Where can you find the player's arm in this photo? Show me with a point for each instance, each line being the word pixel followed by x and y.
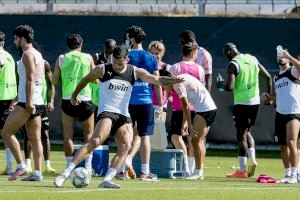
pixel 28 60
pixel 293 60
pixel 50 87
pixel 266 76
pixel 56 74
pixel 231 77
pixel 158 90
pixel 162 80
pixel 187 119
pixel 96 73
pixel 207 60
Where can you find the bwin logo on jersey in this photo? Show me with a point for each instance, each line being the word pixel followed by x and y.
pixel 121 87
pixel 281 85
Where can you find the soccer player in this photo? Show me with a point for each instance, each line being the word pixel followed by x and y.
pixel 287 120
pixel 141 105
pixel 70 68
pixel 106 55
pixel 116 83
pixel 30 104
pixel 243 79
pixel 8 92
pixel 48 93
pixel 186 66
pixel 204 59
pixel 193 91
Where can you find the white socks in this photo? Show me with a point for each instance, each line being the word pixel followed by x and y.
pixel 198 172
pixel 37 173
pixel 251 154
pixel 110 174
pixel 9 158
pixel 288 172
pixel 28 162
pixel 21 165
pixel 67 171
pixel 69 159
pixel 47 163
pixel 299 166
pixel 122 169
pixel 192 164
pixel 88 162
pixel 243 163
pixel 128 162
pixel 145 169
pixel 294 171
pixel 186 164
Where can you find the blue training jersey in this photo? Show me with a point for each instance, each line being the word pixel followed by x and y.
pixel 141 91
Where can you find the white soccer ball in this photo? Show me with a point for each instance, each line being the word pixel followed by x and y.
pixel 80 177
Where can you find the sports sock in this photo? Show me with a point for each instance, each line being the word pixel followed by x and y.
pixel 28 162
pixel 37 173
pixel 47 163
pixel 299 166
pixel 192 164
pixel 67 171
pixel 88 162
pixel 110 174
pixel 69 159
pixel 294 171
pixel 122 169
pixel 145 169
pixel 21 165
pixel 242 163
pixel 198 172
pixel 128 162
pixel 251 154
pixel 186 164
pixel 287 171
pixel 9 158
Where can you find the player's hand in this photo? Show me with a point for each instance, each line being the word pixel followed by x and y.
pixel 13 105
pixel 50 106
pixel 179 80
pixel 185 130
pixel 266 98
pixel 30 108
pixel 192 131
pixel 285 54
pixel 75 101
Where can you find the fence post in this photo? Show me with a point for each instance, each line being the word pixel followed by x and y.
pixel 201 8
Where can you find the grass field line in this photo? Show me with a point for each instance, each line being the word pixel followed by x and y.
pixel 53 190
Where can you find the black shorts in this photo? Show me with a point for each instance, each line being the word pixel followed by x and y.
pixel 83 111
pixel 176 121
pixel 118 120
pixel 39 109
pixel 244 116
pixel 280 126
pixel 4 111
pixel 209 116
pixel 45 119
pixel 143 115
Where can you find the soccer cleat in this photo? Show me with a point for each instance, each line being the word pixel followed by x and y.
pixel 109 184
pixel 33 177
pixel 19 172
pixel 283 180
pixel 7 172
pixel 292 180
pixel 49 170
pixel 149 177
pixel 251 169
pixel 120 176
pixel 130 171
pixel 237 174
pixel 60 180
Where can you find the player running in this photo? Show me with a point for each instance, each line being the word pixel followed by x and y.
pixel 243 79
pixel 116 83
pixel 287 120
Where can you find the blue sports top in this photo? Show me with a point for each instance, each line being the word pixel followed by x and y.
pixel 142 92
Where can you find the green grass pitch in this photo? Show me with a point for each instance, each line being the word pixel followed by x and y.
pixel 215 185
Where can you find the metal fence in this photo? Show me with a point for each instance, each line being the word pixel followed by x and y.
pixel 157 1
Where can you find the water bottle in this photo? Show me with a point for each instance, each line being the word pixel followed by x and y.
pixel 279 50
pixel 220 82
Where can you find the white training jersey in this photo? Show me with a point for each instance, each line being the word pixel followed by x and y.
pixel 39 63
pixel 195 92
pixel 116 89
pixel 287 88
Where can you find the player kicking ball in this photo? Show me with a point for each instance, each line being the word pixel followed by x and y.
pixel 194 92
pixel 116 81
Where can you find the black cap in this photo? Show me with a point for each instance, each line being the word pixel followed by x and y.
pixel 110 44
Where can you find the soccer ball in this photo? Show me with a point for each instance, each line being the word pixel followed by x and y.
pixel 80 177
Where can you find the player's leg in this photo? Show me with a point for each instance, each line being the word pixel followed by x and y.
pixel 33 129
pixel 68 133
pixel 292 130
pixel 27 150
pixel 100 134
pixel 16 119
pixel 123 139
